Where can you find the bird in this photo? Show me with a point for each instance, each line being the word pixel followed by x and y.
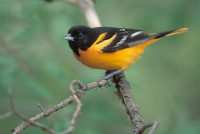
pixel 110 48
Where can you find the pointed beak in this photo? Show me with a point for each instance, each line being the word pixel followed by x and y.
pixel 68 37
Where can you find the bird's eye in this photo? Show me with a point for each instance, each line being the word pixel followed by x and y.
pixel 80 35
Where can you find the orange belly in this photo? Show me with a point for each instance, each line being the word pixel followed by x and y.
pixel 112 61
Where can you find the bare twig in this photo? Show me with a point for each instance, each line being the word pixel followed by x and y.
pixel 78 107
pixel 60 105
pixel 87 8
pixel 6 115
pixel 41 107
pixel 154 127
pixel 30 122
pixel 74 116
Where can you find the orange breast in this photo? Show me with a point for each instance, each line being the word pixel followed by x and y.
pixel 112 61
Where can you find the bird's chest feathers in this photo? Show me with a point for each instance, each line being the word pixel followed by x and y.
pixel 90 57
pixel 107 61
pixel 93 56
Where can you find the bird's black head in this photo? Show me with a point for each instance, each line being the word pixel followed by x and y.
pixel 80 37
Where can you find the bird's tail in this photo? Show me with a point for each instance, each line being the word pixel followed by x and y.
pixel 157 36
pixel 169 33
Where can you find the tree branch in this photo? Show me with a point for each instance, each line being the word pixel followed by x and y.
pixel 36 124
pixel 87 8
pixel 69 100
pixel 78 107
pixel 41 107
pixel 132 109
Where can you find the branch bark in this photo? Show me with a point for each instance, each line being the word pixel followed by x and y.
pixel 69 100
pixel 87 8
pixel 132 108
pixel 36 124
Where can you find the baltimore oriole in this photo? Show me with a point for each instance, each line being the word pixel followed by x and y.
pixel 111 48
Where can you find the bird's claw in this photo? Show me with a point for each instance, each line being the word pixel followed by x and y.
pixel 109 76
pixel 108 80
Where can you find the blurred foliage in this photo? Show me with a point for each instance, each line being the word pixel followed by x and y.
pixel 165 82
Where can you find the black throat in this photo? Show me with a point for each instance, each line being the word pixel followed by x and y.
pixel 83 44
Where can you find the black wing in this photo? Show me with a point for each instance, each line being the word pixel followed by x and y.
pixel 124 38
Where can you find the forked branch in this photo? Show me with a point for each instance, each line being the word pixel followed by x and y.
pixel 47 112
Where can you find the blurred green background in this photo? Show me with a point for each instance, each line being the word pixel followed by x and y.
pixel 165 81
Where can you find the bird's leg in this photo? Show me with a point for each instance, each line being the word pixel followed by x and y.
pixel 110 75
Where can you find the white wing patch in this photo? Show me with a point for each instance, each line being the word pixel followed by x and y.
pixel 121 41
pixel 122 29
pixel 135 34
